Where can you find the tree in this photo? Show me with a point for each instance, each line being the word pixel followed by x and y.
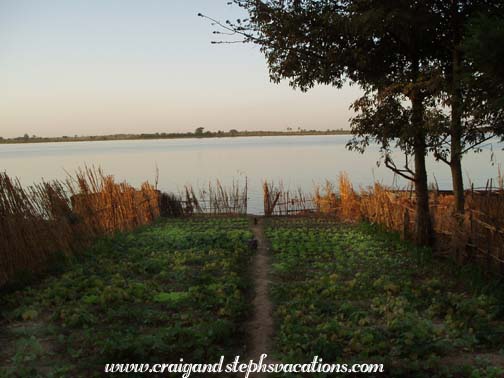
pixel 199 131
pixel 385 47
pixel 399 49
pixel 484 48
pixel 470 122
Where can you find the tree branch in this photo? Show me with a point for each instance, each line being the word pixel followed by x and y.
pixel 441 158
pixel 389 163
pixel 477 144
pixel 252 38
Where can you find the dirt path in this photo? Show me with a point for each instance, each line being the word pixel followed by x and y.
pixel 260 327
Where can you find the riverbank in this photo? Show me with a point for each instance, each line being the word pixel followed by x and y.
pixel 159 136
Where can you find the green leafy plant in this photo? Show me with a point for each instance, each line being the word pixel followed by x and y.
pixel 354 294
pixel 173 289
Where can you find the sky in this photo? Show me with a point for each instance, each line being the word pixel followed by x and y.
pixel 94 67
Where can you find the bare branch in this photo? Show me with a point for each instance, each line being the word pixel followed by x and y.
pixel 389 163
pixel 477 144
pixel 252 38
pixel 439 157
pixel 225 42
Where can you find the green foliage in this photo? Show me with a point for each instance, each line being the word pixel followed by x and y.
pixel 485 34
pixel 165 292
pixel 354 294
pixel 484 48
pixel 388 48
pixel 407 57
pixel 173 298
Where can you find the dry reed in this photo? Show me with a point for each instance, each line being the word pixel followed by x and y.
pixel 215 199
pixel 326 201
pixel 278 201
pixel 61 216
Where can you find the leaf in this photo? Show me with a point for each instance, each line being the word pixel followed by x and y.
pixel 90 299
pixel 29 315
pixel 174 297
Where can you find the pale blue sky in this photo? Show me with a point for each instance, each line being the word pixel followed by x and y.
pixel 110 66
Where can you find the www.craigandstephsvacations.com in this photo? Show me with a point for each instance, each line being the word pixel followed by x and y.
pixel 185 369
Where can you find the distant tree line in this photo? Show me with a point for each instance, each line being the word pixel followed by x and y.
pixel 432 73
pixel 198 133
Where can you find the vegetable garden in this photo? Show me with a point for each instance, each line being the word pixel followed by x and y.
pixel 175 289
pixel 352 294
pixel 183 288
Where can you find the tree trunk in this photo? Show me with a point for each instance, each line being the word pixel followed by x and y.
pixel 456 154
pixel 456 116
pixel 458 183
pixel 423 225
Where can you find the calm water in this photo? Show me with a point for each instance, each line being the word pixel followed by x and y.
pixel 298 161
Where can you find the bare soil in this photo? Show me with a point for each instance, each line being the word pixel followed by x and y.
pixel 260 326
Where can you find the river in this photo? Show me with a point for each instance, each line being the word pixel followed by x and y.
pixel 298 161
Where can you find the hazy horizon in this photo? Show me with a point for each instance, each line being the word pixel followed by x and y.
pixel 112 67
pixel 304 132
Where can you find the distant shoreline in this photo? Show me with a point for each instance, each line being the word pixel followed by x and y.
pixel 155 136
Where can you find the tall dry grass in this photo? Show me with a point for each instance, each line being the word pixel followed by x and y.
pixel 31 228
pixel 62 216
pixel 325 199
pixel 349 200
pixel 216 198
pixel 105 206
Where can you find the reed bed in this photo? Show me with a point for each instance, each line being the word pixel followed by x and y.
pixel 44 219
pixel 105 206
pixel 325 199
pixel 30 227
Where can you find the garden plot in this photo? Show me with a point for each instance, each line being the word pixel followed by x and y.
pixel 351 294
pixel 176 289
